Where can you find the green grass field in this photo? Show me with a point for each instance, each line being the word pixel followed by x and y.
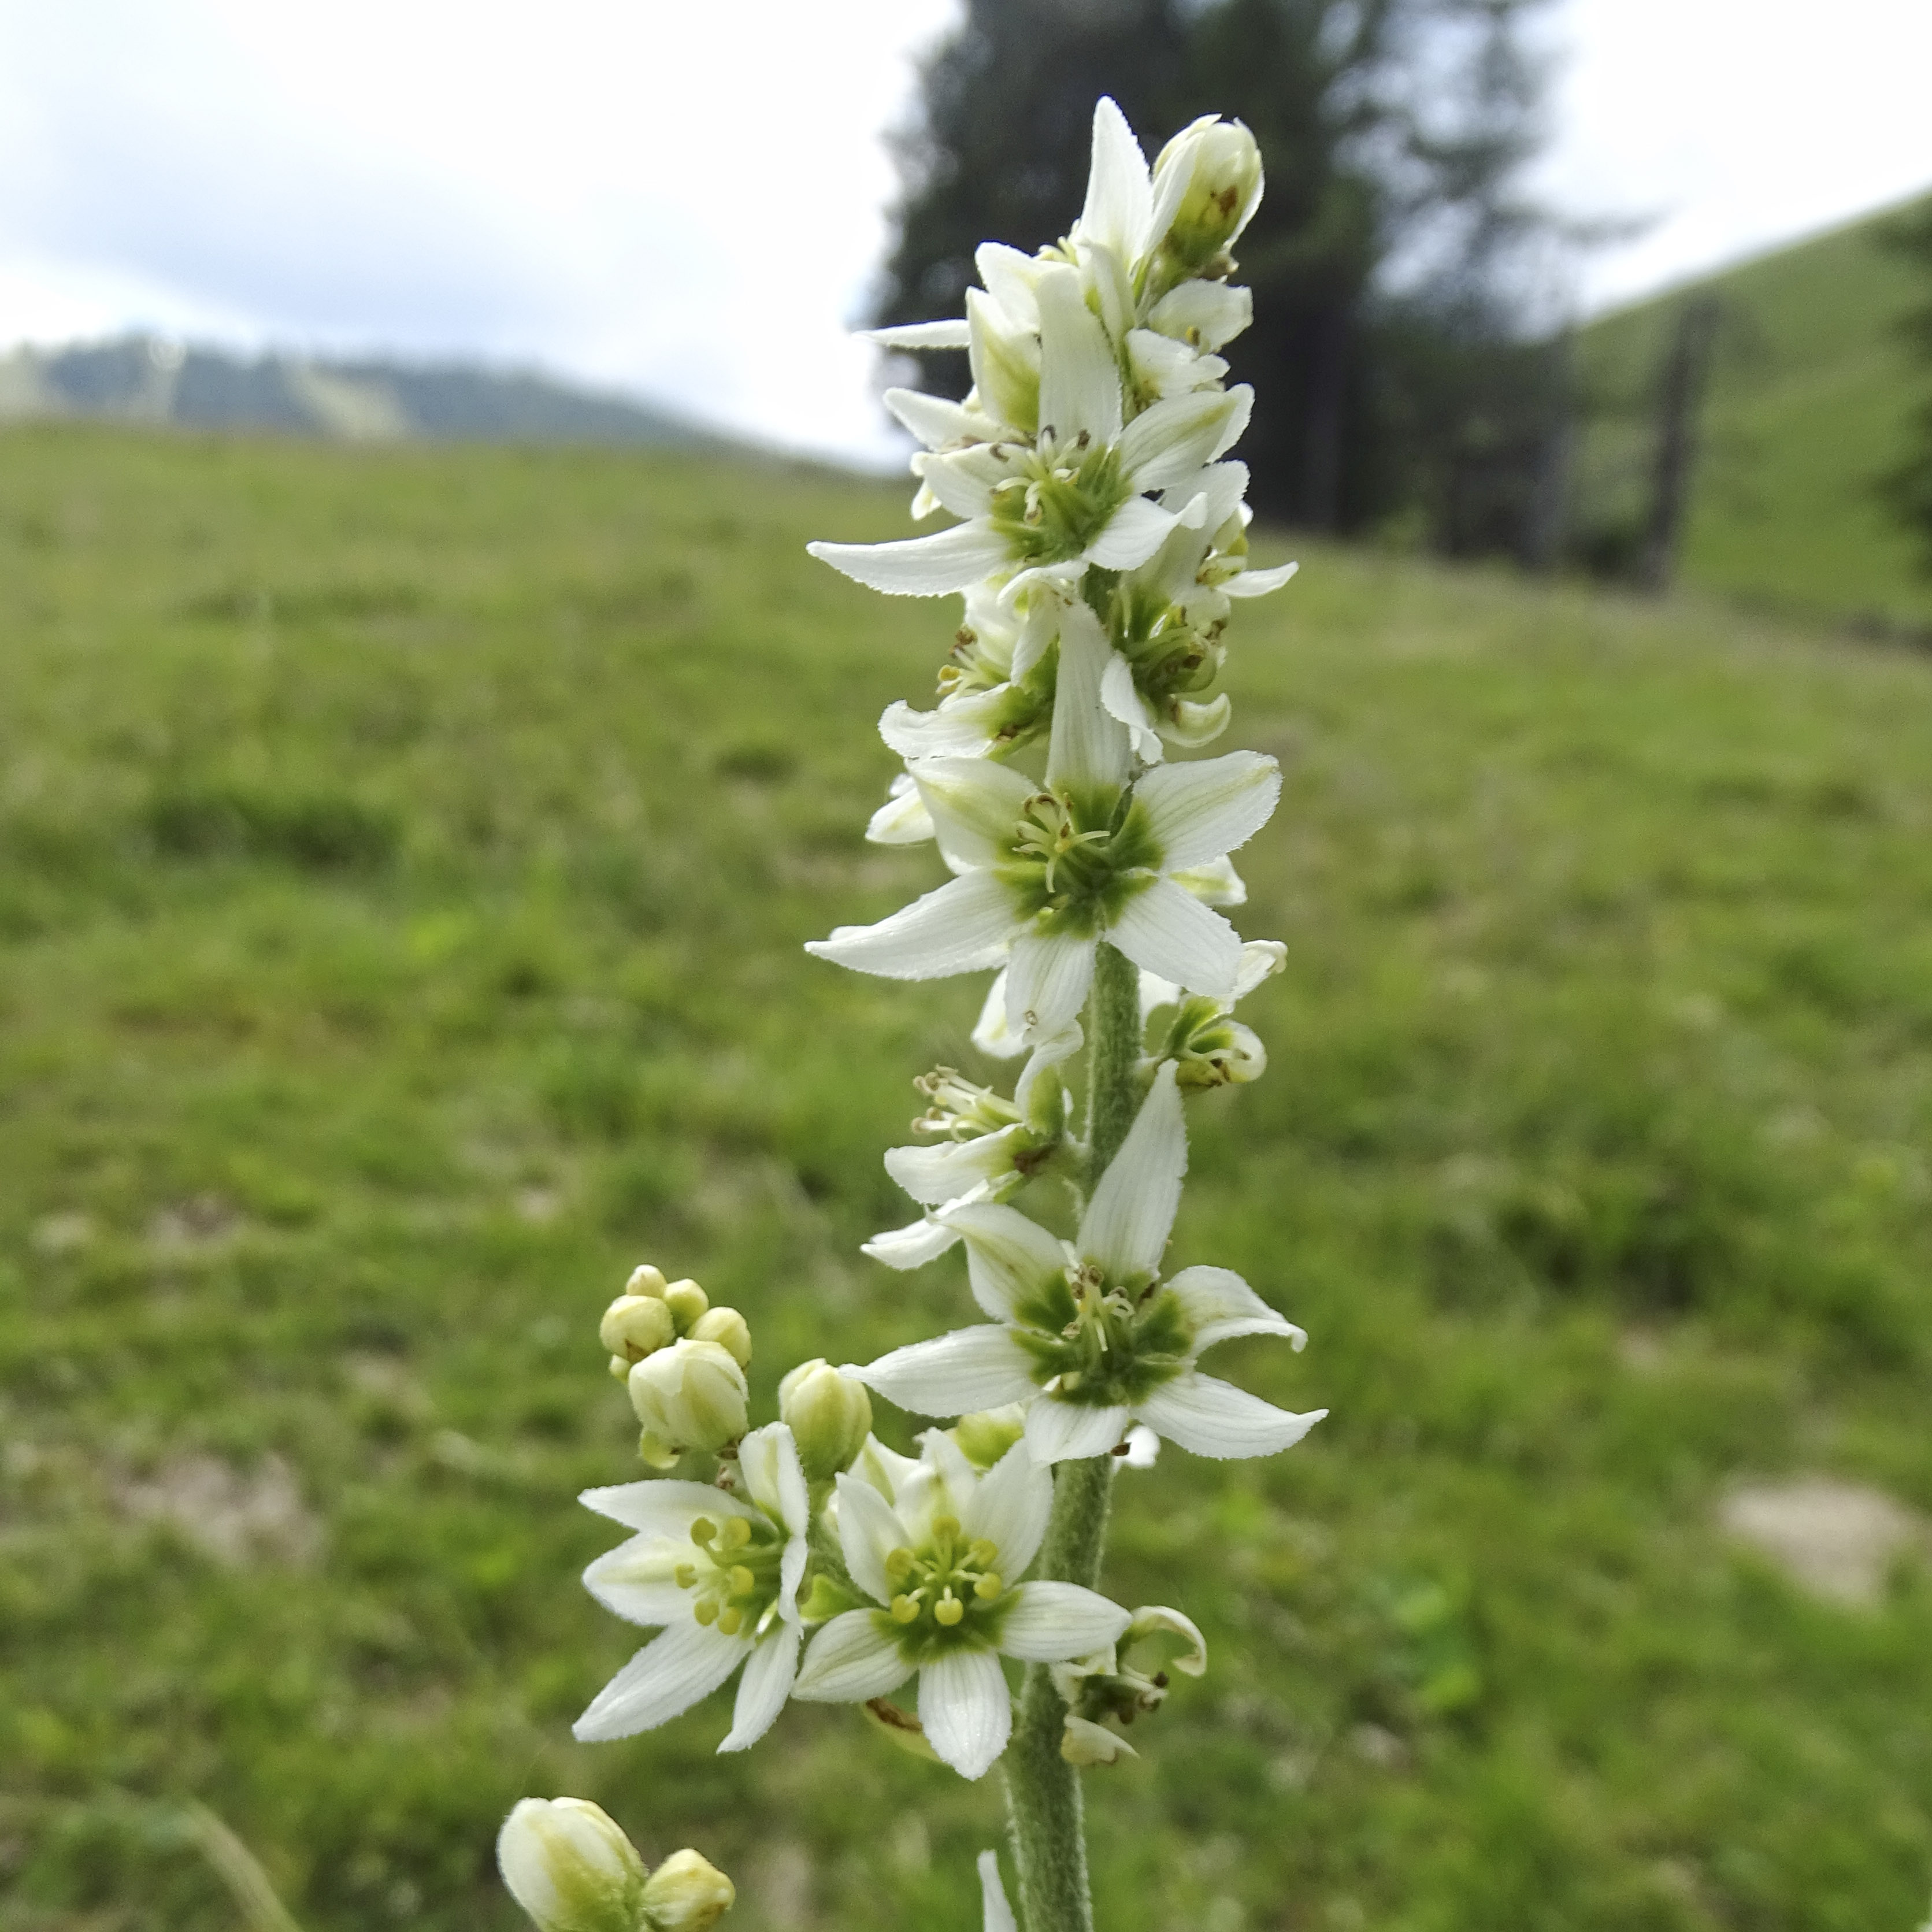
pixel 404 859
pixel 1813 392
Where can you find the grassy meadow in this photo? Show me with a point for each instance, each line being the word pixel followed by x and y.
pixel 404 859
pixel 1812 393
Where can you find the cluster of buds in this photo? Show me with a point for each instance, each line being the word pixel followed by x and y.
pixel 570 1866
pixel 683 1362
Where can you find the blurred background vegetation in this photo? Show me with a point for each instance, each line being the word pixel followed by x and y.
pixel 405 852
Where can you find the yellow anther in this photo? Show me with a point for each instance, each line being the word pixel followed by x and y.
pixel 905 1610
pixel 684 1575
pixel 703 1530
pixel 742 1580
pixel 705 1610
pixel 729 1621
pixel 989 1587
pixel 983 1552
pixel 899 1565
pixel 949 1610
pixel 946 1529
pixel 737 1532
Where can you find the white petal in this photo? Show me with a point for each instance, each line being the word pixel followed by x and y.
pixel 991 1034
pixel 637 1580
pixel 935 1175
pixel 1180 434
pixel 996 1915
pixel 1143 1447
pixel 661 1508
pixel 1127 1222
pixel 965 1710
pixel 1040 625
pixel 1005 358
pixel 1156 992
pixel 948 334
pixel 1259 583
pixel 1167 931
pixel 768 1459
pixel 1214 1418
pixel 764 1688
pixel 1220 1306
pixel 1209 314
pixel 911 1246
pixel 952 1374
pixel 1121 698
pixel 1047 982
pixel 960 728
pixel 1261 959
pixel 1088 748
pixel 1009 1508
pixel 1216 883
pixel 903 819
pixel 1079 380
pixel 1120 198
pixel 962 927
pixel 869 1531
pixel 937 421
pixel 959 481
pixel 1009 1258
pixel 850 1660
pixel 1063 1431
pixel 1010 276
pixel 1048 1114
pixel 1051 1622
pixel 671 1673
pixel 975 805
pixel 921 566
pixel 791 1574
pixel 1133 533
pixel 1204 810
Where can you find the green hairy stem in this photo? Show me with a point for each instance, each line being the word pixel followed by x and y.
pixel 1043 1807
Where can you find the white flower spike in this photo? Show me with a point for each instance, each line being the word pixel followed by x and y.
pixel 939 1560
pixel 721 1574
pixel 1087 1333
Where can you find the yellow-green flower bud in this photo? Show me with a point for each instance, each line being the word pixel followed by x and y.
pixel 729 1330
pixel 635 1326
pixel 686 1301
pixel 984 1438
pixel 687 1893
pixel 691 1396
pixel 570 1866
pixel 829 1416
pixel 1207 185
pixel 646 1280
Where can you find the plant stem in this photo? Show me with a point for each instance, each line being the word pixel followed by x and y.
pixel 1043 1808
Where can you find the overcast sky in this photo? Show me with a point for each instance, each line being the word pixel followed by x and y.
pixel 687 202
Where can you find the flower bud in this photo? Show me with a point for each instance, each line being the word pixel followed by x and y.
pixel 687 1893
pixel 729 1330
pixel 691 1396
pixel 686 1301
pixel 1207 186
pixel 646 1280
pixel 1083 1741
pixel 570 1866
pixel 829 1416
pixel 985 1437
pixel 635 1326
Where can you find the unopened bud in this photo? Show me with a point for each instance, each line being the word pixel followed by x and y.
pixel 1207 186
pixel 687 1893
pixel 637 1325
pixel 729 1330
pixel 570 1866
pixel 692 1395
pixel 686 1301
pixel 829 1416
pixel 646 1280
pixel 984 1437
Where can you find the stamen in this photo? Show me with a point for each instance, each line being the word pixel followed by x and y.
pixel 989 1586
pixel 905 1610
pixel 731 1622
pixel 949 1610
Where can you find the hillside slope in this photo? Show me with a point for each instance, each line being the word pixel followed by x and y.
pixel 405 857
pixel 1811 393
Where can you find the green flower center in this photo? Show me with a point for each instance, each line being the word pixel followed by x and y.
pixel 1061 500
pixel 947 1596
pixel 1099 1344
pixel 1076 861
pixel 733 1578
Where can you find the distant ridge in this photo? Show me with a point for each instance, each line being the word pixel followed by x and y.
pixel 142 378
